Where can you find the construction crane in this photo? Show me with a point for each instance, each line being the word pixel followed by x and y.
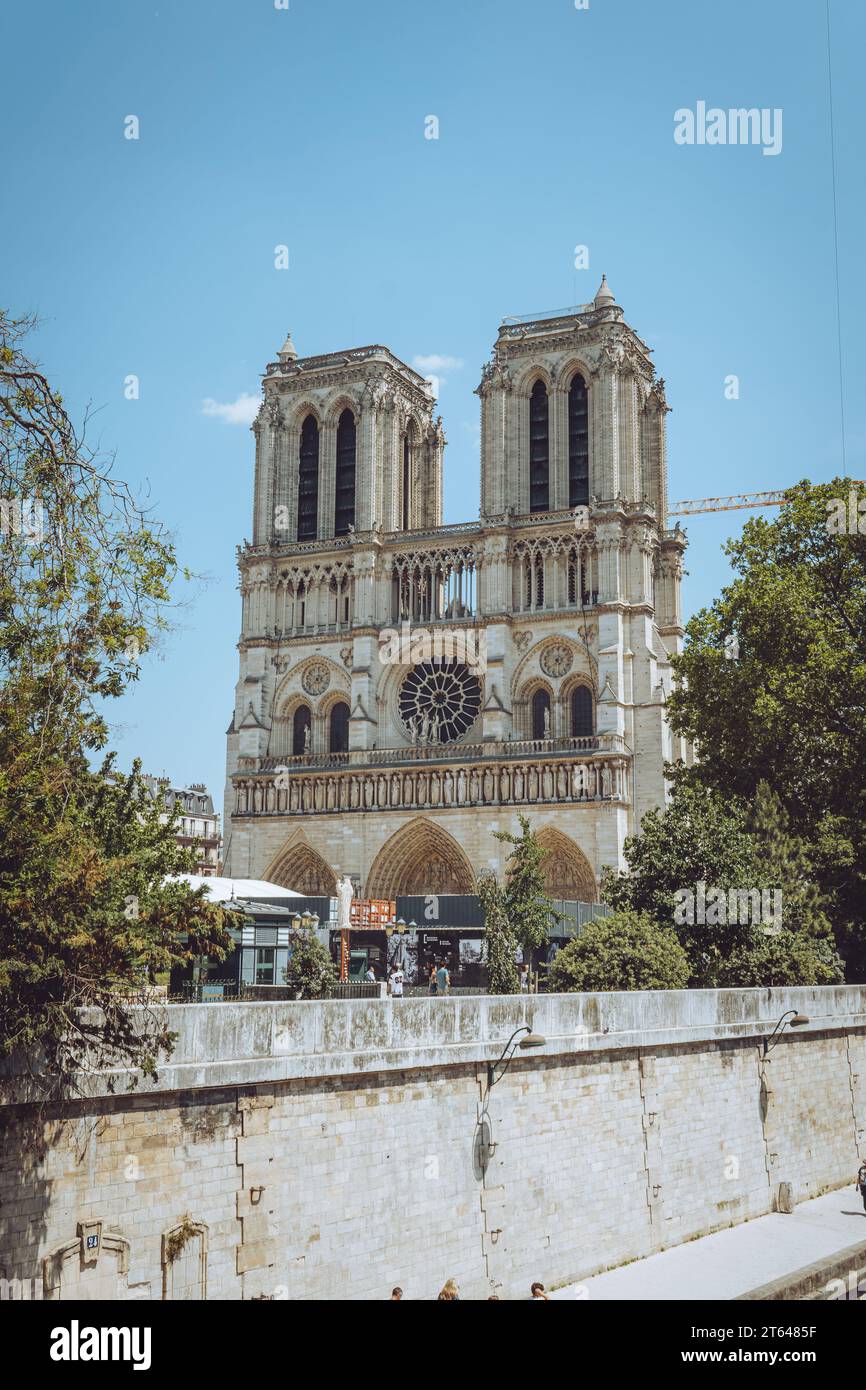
pixel 738 501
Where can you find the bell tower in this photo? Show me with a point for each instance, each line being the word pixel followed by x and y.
pixel 571 411
pixel 345 442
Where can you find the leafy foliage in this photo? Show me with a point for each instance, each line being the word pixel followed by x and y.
pixel 626 950
pixel 501 943
pixel 791 709
pixel 525 902
pixel 700 838
pixel 310 971
pixel 86 916
pixel 791 958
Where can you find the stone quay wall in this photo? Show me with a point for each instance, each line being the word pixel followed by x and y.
pixel 329 1150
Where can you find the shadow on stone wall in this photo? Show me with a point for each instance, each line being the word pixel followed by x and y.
pixel 26 1138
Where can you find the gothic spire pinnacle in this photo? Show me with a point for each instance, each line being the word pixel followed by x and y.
pixel 288 352
pixel 604 294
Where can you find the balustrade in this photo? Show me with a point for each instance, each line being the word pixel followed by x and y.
pixel 545 779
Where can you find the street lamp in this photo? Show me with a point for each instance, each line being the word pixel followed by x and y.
pixel 530 1040
pixel 797 1020
pixel 484 1141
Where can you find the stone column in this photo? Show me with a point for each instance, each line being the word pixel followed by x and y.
pixel 558 408
pixel 327 480
pixel 367 465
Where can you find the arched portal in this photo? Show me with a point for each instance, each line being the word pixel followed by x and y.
pixel 420 858
pixel 298 866
pixel 567 871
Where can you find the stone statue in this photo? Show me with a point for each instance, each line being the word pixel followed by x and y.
pixel 307 739
pixel 345 894
pixel 547 723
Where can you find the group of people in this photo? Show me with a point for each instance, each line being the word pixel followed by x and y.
pixel 439 981
pixel 450 1293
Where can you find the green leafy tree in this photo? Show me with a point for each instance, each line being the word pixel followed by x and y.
pixel 699 838
pixel 499 938
pixel 696 839
pixel 626 950
pixel 790 708
pixel 86 915
pixel 310 972
pixel 527 907
pixel 789 861
pixel 789 958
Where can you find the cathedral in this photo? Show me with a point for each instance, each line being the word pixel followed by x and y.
pixel 408 688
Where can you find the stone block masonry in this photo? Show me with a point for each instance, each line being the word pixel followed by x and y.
pixel 330 1150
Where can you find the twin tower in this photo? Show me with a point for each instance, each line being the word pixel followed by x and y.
pixel 534 645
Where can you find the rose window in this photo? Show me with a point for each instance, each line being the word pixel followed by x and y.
pixel 439 701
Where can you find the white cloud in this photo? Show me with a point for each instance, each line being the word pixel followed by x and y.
pixel 240 412
pixel 436 362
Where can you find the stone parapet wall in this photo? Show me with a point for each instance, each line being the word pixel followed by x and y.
pixel 330 1150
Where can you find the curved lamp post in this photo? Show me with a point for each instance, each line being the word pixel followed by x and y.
pixel 530 1040
pixel 483 1127
pixel 797 1020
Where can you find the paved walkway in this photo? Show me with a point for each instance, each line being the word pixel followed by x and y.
pixel 733 1261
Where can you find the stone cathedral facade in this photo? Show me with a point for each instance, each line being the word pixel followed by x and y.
pixel 406 687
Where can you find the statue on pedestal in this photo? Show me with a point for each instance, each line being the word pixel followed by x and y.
pixel 345 894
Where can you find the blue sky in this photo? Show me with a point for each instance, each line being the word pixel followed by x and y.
pixel 305 127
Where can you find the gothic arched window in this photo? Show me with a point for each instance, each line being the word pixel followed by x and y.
pixel 578 443
pixel 539 450
pixel 338 731
pixel 344 508
pixel 581 712
pixel 540 708
pixel 308 480
pixel 300 729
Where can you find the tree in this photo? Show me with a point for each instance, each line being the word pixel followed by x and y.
pixel 696 839
pixel 789 958
pixel 527 907
pixel 310 972
pixel 499 938
pixel 725 874
pixel 790 709
pixel 86 914
pixel 626 950
pixel 789 861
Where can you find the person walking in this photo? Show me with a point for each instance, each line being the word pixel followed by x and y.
pixel 861 1181
pixel 396 982
pixel 443 979
pixel 450 1292
pixel 370 976
pixel 432 983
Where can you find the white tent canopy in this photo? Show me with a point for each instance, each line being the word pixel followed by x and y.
pixel 247 889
